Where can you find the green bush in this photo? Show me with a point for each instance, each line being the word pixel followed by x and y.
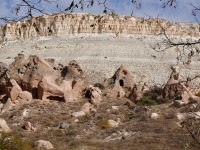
pixel 147 101
pixel 197 94
pixel 9 142
pixel 176 104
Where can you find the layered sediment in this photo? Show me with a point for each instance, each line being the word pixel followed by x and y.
pixel 82 23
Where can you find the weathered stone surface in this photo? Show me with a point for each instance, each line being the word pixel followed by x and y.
pixel 173 91
pixel 78 23
pixel 80 86
pixel 28 126
pixel 48 89
pixel 25 95
pixel 72 70
pixel 87 107
pixel 111 123
pixel 78 114
pixel 67 90
pixel 121 81
pixel 3 126
pixel 36 69
pixel 94 93
pixel 13 89
pixel 154 116
pixel 42 144
pixel 7 106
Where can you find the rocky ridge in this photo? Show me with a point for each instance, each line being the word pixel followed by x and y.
pixel 62 24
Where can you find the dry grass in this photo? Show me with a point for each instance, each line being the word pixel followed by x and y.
pixel 91 129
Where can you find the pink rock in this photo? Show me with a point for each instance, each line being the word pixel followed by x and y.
pixel 13 90
pixel 122 80
pixel 48 89
pixel 25 95
pixel 67 89
pixel 185 97
pixel 29 127
pixel 78 114
pixel 94 93
pixel 80 85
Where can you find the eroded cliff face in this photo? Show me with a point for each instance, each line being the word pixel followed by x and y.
pixel 77 23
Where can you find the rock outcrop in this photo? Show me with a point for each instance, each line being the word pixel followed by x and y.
pixel 84 23
pixel 177 89
pixel 94 94
pixel 24 80
pixel 120 83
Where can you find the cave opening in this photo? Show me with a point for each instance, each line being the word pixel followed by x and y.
pixel 121 83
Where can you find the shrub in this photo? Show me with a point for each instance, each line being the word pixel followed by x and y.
pixel 198 94
pixel 147 101
pixel 9 142
pixel 176 104
pixel 106 125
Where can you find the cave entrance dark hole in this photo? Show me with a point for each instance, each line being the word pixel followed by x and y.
pixel 121 83
pixel 61 99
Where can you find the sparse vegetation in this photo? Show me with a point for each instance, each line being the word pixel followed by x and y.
pixel 146 101
pixel 198 94
pixel 176 104
pixel 10 142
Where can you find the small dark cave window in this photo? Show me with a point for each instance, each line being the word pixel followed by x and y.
pixel 121 83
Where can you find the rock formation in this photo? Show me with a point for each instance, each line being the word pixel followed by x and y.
pixel 36 77
pixel 177 89
pixel 120 83
pixel 82 23
pixel 94 93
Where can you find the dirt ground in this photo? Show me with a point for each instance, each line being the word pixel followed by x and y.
pixel 137 131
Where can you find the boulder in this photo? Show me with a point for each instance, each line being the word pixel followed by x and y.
pixel 3 126
pixel 28 126
pixel 87 107
pixel 94 94
pixel 48 89
pixel 78 114
pixel 115 108
pixel 113 124
pixel 25 95
pixel 154 116
pixel 42 144
pixel 64 126
pixel 13 89
pixel 7 106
